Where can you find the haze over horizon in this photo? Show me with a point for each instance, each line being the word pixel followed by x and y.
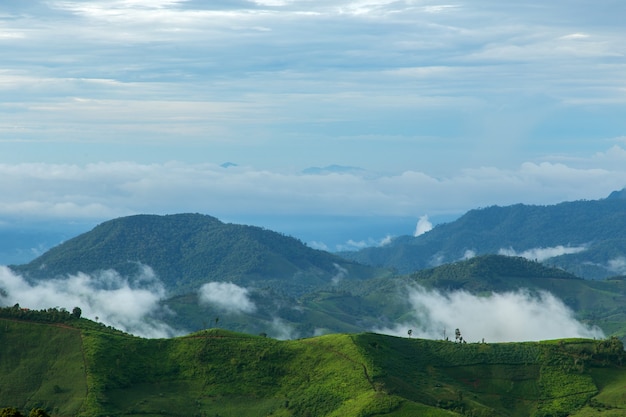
pixel 272 112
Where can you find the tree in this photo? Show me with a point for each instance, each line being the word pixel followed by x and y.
pixel 38 412
pixel 410 332
pixel 76 312
pixel 457 335
pixel 10 412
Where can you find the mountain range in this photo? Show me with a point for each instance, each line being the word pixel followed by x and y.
pixel 585 238
pixel 230 291
pixel 258 281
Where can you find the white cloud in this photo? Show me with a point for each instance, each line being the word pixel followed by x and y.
pixel 617 265
pixel 352 244
pixel 541 254
pixel 228 296
pixel 282 330
pixel 469 254
pixel 105 190
pixel 340 275
pixel 131 304
pixel 423 226
pixel 505 317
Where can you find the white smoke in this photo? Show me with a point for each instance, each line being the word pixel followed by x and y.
pixel 129 304
pixel 228 296
pixel 423 226
pixel 541 254
pixel 507 317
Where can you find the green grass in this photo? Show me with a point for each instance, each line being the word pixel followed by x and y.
pixel 41 366
pixel 94 371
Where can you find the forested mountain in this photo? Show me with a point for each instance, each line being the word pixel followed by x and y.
pixel 290 290
pixel 188 250
pixel 355 306
pixel 70 366
pixel 583 237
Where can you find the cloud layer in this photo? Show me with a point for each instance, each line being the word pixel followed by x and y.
pixel 505 317
pixel 129 304
pixel 111 107
pixel 389 85
pixel 105 190
pixel 541 254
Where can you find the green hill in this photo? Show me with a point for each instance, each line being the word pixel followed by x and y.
pixel 79 368
pixel 297 291
pixel 188 250
pixel 594 228
pixel 594 302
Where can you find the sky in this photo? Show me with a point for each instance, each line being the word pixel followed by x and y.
pixel 340 122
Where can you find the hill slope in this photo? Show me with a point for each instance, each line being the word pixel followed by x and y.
pixel 188 250
pixel 584 237
pixel 216 372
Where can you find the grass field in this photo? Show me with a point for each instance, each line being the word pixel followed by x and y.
pixel 90 370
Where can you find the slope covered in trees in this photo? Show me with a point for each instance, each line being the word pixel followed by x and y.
pixel 188 250
pixel 588 237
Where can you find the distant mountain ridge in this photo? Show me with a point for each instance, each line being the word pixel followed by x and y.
pixel 583 237
pixel 188 250
pixel 293 288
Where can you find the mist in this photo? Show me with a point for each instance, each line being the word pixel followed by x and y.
pixel 227 296
pixel 423 225
pixel 131 304
pixel 500 317
pixel 541 254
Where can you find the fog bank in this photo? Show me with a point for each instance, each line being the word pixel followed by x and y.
pixel 130 304
pixel 506 317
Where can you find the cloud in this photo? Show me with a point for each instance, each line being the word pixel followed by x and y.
pixel 617 265
pixel 227 296
pixel 104 190
pixel 282 330
pixel 423 226
pixel 340 275
pixel 193 78
pixel 541 254
pixel 131 304
pixel 499 317
pixel 469 254
pixel 352 245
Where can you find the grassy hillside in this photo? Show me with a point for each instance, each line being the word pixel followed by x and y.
pixel 85 369
pixel 188 250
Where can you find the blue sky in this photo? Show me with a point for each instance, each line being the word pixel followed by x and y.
pixel 117 107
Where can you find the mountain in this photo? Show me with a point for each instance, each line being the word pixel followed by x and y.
pixel 188 250
pixel 279 286
pixel 583 237
pixel 73 367
pixel 356 306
